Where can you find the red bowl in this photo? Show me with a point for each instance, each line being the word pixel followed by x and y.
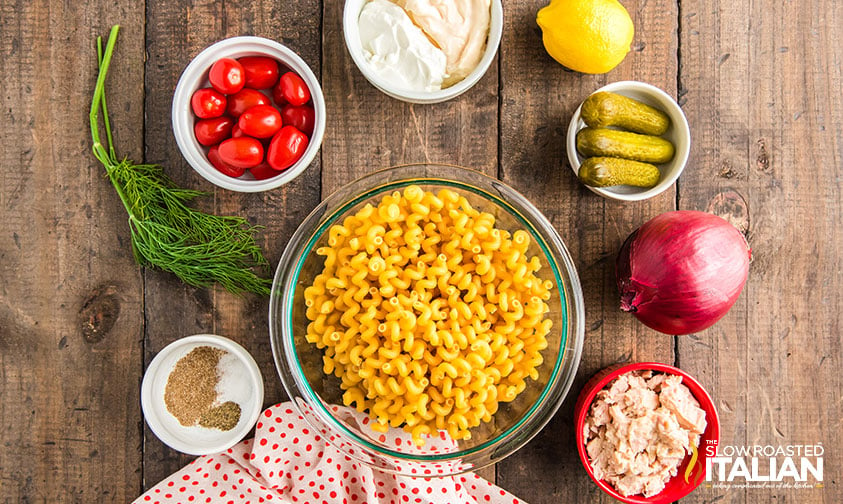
pixel 677 487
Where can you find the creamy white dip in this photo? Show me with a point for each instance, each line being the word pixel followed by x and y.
pixel 397 50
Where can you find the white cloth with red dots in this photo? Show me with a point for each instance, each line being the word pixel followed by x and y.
pixel 287 462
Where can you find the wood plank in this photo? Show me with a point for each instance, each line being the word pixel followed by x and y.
pixel 764 102
pixel 368 130
pixel 177 32
pixel 71 298
pixel 538 98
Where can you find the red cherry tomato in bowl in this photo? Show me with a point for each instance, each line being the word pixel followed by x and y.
pixel 245 99
pixel 227 76
pixel 213 131
pixel 286 147
pixel 293 89
pixel 207 103
pixel 278 97
pixel 302 117
pixel 261 121
pixel 261 71
pixel 242 152
pixel 263 171
pixel 224 168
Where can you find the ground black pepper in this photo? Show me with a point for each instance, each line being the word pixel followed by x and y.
pixel 223 417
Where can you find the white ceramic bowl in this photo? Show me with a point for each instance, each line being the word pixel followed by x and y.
pixel 195 76
pixel 248 393
pixel 678 133
pixel 351 14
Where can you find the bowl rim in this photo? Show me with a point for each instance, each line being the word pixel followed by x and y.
pixel 351 35
pixel 151 412
pixel 571 324
pixel 181 113
pixel 682 152
pixel 599 381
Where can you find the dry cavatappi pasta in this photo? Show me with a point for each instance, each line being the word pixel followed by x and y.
pixel 428 314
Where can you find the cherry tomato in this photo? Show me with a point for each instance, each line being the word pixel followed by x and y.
pixel 278 96
pixel 243 152
pixel 261 121
pixel 244 100
pixel 302 117
pixel 213 131
pixel 293 88
pixel 207 103
pixel 227 76
pixel 222 166
pixel 263 171
pixel 261 71
pixel 236 132
pixel 286 147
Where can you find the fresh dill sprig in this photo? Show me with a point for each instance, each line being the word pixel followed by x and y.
pixel 199 248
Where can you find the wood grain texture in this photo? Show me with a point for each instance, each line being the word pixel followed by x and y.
pixel 538 98
pixel 368 130
pixel 70 296
pixel 178 31
pixel 764 102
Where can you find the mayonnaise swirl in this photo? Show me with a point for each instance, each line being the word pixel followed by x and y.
pixel 459 28
pixel 397 50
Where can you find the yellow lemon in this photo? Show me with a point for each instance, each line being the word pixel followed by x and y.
pixel 589 36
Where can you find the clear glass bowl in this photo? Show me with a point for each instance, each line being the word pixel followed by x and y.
pixel 318 396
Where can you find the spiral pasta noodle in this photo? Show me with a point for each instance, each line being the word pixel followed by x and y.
pixel 428 314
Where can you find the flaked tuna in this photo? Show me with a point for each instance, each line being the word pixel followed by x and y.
pixel 639 429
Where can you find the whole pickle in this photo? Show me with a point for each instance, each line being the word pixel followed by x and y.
pixel 623 144
pixel 603 109
pixel 609 171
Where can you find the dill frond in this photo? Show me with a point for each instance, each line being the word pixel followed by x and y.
pixel 167 234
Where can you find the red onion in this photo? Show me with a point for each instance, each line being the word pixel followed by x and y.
pixel 682 271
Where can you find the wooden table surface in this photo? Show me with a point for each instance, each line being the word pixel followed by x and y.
pixel 759 80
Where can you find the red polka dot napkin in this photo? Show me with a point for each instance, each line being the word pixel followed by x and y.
pixel 287 462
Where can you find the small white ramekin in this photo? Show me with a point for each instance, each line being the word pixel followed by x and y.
pixel 198 440
pixel 351 32
pixel 195 76
pixel 678 133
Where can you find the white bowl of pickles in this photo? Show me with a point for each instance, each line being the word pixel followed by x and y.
pixel 628 141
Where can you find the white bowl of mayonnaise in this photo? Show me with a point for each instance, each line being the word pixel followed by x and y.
pixel 423 51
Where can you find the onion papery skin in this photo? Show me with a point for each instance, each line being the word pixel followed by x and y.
pixel 682 271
